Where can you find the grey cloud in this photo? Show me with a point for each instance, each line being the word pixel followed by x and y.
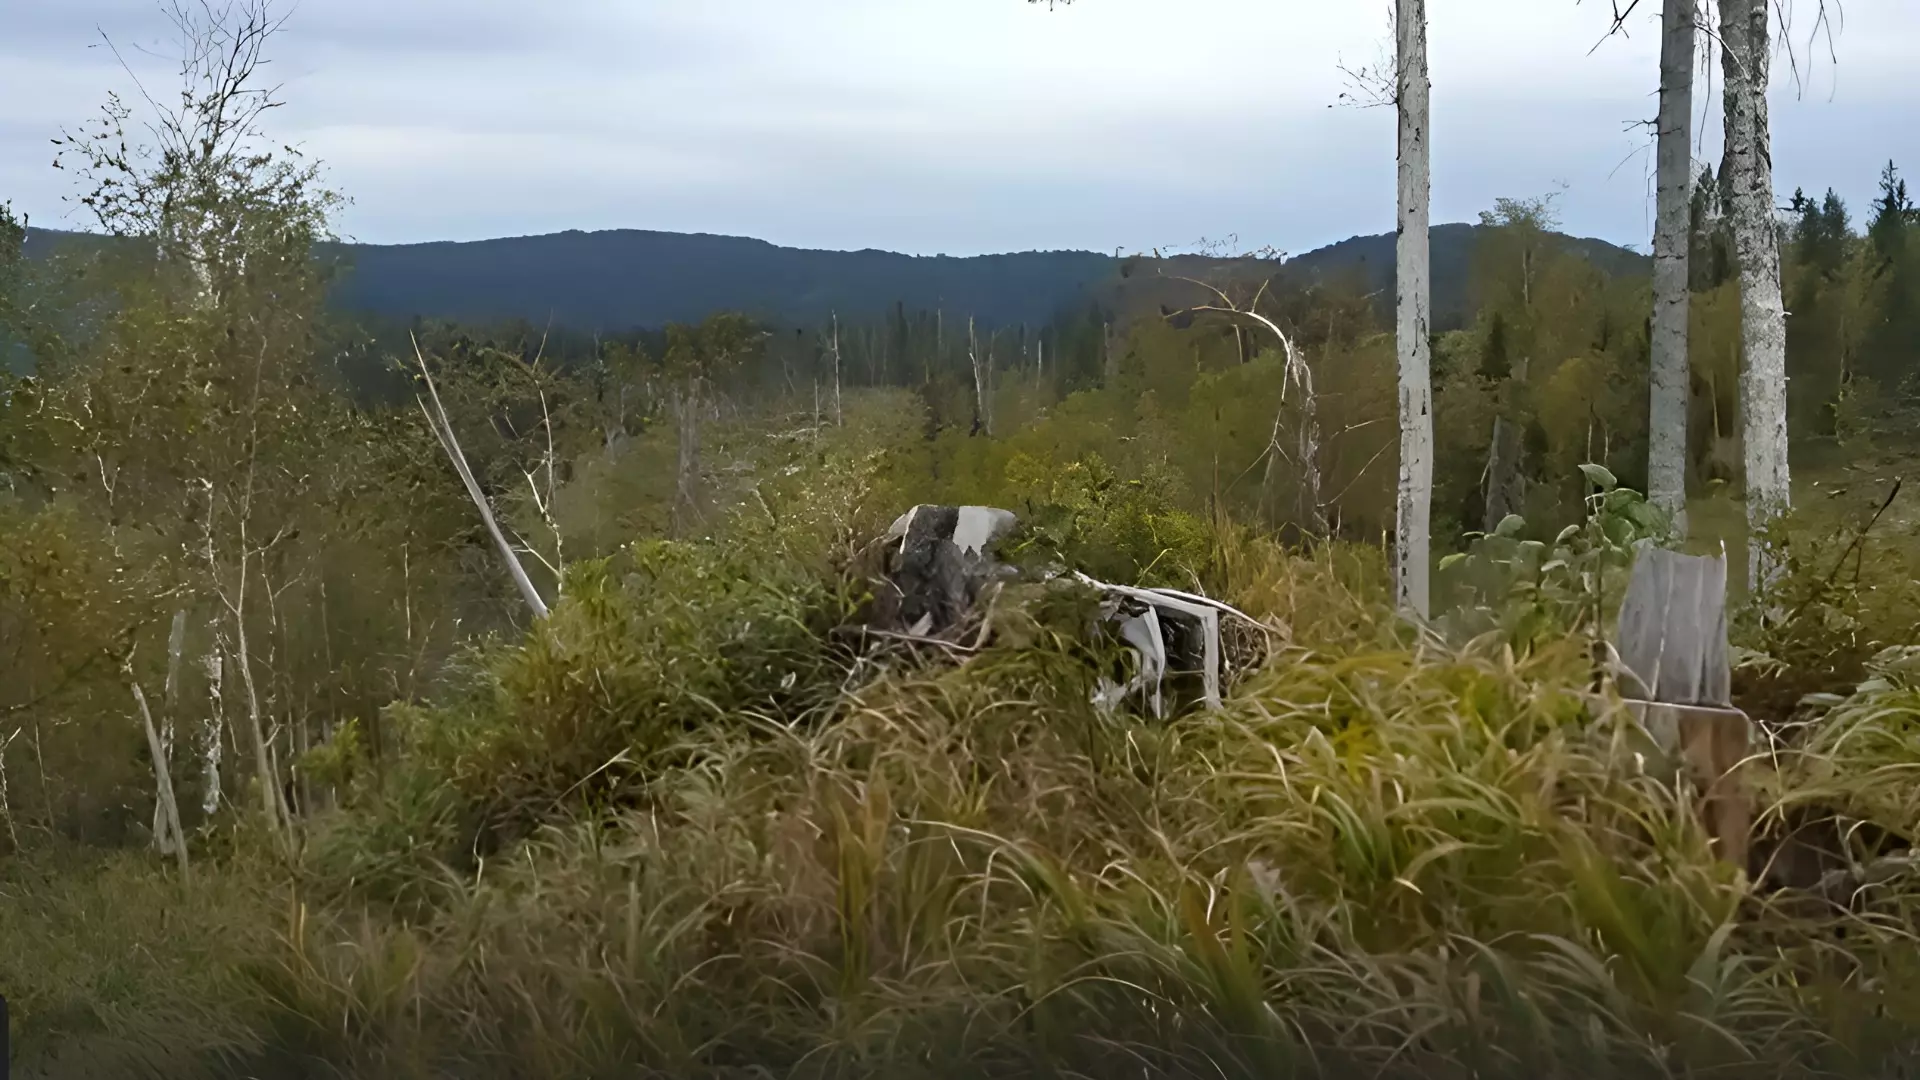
pixel 950 125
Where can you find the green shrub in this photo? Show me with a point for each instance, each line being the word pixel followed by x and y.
pixel 1131 532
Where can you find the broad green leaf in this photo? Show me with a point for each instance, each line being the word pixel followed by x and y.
pixel 1599 476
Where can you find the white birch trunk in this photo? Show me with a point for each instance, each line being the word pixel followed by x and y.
pixel 1669 377
pixel 1763 323
pixel 1412 302
pixel 271 805
pixel 214 735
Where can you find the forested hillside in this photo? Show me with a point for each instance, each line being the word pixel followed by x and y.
pixel 615 282
pixel 490 670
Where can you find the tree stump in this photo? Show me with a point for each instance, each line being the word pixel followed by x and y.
pixel 1674 674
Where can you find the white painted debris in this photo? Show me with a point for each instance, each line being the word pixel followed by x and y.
pixel 1162 606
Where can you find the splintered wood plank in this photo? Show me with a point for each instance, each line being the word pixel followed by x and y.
pixel 1673 628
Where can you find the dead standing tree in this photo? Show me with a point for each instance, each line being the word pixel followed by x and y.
pixel 695 355
pixel 982 366
pixel 436 418
pixel 1402 80
pixel 1298 377
pixel 1746 60
pixel 1669 374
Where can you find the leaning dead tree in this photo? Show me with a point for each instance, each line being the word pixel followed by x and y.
pixel 436 418
pixel 1297 377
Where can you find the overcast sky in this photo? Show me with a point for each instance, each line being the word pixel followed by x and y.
pixel 956 126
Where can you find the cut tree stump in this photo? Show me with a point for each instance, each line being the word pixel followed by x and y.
pixel 1674 674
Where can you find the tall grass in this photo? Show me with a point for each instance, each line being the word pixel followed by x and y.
pixel 682 832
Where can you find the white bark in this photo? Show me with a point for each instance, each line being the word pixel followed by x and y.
pixel 176 644
pixel 1763 325
pixel 839 418
pixel 215 731
pixel 982 378
pixel 1413 301
pixel 1669 376
pixel 687 459
pixel 267 775
pixel 174 839
pixel 443 429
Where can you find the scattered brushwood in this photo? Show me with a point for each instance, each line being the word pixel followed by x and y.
pixel 936 581
pixel 1841 596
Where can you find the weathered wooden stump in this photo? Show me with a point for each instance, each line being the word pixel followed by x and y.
pixel 1674 673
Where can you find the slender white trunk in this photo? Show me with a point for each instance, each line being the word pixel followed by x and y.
pixel 443 429
pixel 214 734
pixel 687 463
pixel 1413 302
pixel 174 839
pixel 266 773
pixel 839 418
pixel 176 644
pixel 982 379
pixel 1669 375
pixel 6 802
pixel 1763 324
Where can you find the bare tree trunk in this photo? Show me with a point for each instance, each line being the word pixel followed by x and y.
pixel 6 802
pixel 687 462
pixel 1746 61
pixel 839 418
pixel 1413 304
pixel 1506 457
pixel 269 777
pixel 982 380
pixel 175 837
pixel 1670 376
pixel 443 429
pixel 214 732
pixel 1503 494
pixel 176 644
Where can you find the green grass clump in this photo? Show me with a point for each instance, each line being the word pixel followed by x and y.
pixel 1422 861
pixel 679 831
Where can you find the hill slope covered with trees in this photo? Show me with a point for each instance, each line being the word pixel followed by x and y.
pixel 616 281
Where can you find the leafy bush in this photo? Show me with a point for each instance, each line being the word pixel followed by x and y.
pixel 1532 591
pixel 1842 595
pixel 1125 531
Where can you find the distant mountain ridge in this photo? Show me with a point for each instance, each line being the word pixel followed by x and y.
pixel 618 280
